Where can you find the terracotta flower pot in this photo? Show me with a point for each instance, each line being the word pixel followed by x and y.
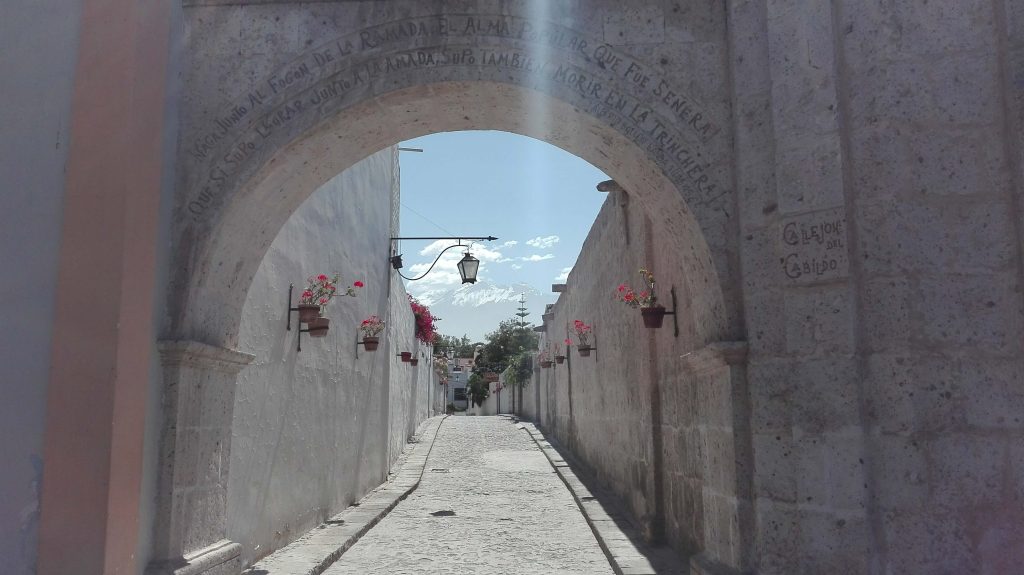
pixel 319 326
pixel 545 364
pixel 559 359
pixel 371 343
pixel 653 316
pixel 308 312
pixel 584 350
pixel 414 361
pixel 406 356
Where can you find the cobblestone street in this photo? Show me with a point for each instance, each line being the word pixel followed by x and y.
pixel 489 502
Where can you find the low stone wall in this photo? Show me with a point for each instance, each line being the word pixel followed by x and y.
pixel 315 430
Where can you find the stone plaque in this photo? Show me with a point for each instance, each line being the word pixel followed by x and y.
pixel 813 247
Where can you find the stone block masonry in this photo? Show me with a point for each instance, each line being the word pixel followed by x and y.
pixel 834 190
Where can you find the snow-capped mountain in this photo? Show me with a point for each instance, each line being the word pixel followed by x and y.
pixel 477 309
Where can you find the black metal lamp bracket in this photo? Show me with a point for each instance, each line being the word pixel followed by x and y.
pixel 675 320
pixel 291 309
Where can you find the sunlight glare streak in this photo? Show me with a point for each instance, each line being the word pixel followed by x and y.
pixel 539 174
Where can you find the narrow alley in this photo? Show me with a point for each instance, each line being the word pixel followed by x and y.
pixel 488 502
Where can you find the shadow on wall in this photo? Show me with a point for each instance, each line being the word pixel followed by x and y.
pixel 630 411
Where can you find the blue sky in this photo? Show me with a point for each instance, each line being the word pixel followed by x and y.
pixel 539 200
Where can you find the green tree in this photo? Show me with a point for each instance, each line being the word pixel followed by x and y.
pixel 520 370
pixel 459 346
pixel 478 389
pixel 503 344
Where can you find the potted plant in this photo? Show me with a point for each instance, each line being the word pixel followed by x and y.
pixel 583 332
pixel 559 358
pixel 406 356
pixel 371 329
pixel 542 357
pixel 425 329
pixel 319 291
pixel 414 361
pixel 652 313
pixel 319 326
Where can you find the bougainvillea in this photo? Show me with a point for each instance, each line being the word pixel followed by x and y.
pixel 425 330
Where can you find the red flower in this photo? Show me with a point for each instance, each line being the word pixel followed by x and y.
pixel 622 287
pixel 321 277
pixel 307 294
pixel 358 284
pixel 332 288
pixel 568 341
pixel 628 297
pixel 323 301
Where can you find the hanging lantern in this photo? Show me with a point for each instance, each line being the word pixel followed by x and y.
pixel 468 268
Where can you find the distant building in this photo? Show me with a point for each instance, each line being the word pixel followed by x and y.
pixel 458 380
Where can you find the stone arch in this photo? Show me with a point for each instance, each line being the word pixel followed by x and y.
pixel 251 151
pixel 250 162
pixel 259 209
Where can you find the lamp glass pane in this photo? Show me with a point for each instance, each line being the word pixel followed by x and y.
pixel 468 268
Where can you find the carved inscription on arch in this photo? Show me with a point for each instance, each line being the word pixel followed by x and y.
pixel 623 92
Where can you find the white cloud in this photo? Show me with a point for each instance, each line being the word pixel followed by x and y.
pixel 537 258
pixel 564 275
pixel 543 242
pixel 480 252
pixel 445 273
pixel 516 267
pixel 509 244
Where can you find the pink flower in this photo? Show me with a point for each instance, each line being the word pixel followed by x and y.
pixel 323 301
pixel 628 297
pixel 358 284
pixel 568 341
pixel 643 294
pixel 307 294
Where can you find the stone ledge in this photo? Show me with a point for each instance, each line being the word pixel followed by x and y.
pixel 221 557
pixel 715 355
pixel 617 536
pixel 315 551
pixel 199 354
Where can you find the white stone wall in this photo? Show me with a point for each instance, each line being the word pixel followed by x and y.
pixel 315 430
